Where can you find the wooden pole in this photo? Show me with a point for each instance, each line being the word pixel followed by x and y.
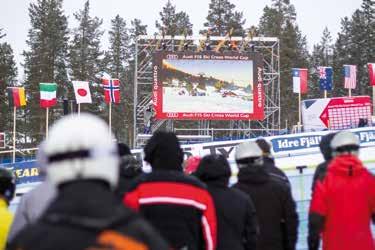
pixel 325 93
pixel 47 111
pixel 110 118
pixel 14 134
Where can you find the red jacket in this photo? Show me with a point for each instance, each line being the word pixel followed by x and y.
pixel 179 206
pixel 341 207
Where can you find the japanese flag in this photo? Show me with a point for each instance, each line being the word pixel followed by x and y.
pixel 82 91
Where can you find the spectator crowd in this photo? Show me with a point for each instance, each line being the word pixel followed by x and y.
pixel 96 196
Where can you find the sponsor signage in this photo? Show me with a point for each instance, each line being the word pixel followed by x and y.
pixel 336 113
pixel 25 172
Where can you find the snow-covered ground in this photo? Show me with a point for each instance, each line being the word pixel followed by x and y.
pixel 212 102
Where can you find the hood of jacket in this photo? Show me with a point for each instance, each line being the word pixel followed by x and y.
pixel 325 146
pixel 253 174
pixel 214 170
pixel 130 167
pixel 346 165
pixel 163 152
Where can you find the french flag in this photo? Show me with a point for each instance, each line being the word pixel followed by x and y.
pixel 299 80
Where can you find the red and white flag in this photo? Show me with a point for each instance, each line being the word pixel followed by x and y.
pixel 82 91
pixel 350 74
pixel 299 80
pixel 371 73
pixel 111 90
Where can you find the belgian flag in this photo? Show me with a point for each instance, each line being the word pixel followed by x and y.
pixel 16 96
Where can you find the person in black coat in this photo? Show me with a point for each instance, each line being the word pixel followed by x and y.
pixel 179 206
pixel 325 149
pixel 83 216
pixel 130 169
pixel 269 162
pixel 275 208
pixel 82 162
pixel 235 211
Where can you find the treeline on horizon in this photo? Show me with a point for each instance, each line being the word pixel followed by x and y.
pixel 57 52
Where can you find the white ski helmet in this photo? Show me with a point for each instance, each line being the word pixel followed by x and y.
pixel 345 142
pixel 80 147
pixel 247 153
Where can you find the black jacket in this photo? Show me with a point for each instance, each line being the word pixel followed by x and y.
pixel 179 206
pixel 274 171
pixel 87 215
pixel 319 173
pixel 130 168
pixel 325 149
pixel 237 228
pixel 276 210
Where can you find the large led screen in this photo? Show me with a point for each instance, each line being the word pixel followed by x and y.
pixel 208 86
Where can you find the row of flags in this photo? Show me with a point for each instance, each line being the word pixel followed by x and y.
pixel 326 78
pixel 17 97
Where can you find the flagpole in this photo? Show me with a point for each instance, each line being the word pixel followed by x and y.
pixel 373 99
pixel 299 111
pixel 14 134
pixel 325 93
pixel 79 109
pixel 110 118
pixel 47 109
pixel 350 92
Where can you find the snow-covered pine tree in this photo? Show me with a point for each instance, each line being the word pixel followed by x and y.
pixel 85 55
pixel 118 58
pixel 45 60
pixel 279 20
pixel 8 74
pixel 322 55
pixel 222 17
pixel 173 23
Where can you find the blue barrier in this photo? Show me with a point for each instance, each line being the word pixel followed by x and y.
pixel 25 172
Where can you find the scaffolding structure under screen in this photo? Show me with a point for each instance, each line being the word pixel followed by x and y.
pixel 143 87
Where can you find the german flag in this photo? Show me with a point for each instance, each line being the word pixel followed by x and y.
pixel 16 96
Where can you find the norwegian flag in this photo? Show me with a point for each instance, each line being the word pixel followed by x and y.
pixel 111 90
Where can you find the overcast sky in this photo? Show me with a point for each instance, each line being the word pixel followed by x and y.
pixel 312 15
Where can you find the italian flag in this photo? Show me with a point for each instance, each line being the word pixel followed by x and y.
pixel 47 94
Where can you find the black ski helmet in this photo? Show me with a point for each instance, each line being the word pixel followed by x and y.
pixel 7 184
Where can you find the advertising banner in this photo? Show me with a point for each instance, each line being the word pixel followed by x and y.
pixel 208 86
pixel 336 113
pixel 25 172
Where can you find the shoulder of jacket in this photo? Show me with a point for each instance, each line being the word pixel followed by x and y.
pixel 171 177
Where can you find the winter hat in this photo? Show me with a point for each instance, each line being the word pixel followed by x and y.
pixel 79 147
pixel 191 164
pixel 163 151
pixel 325 146
pixel 264 146
pixel 123 149
pixel 213 167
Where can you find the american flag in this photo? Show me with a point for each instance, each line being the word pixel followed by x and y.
pixel 350 74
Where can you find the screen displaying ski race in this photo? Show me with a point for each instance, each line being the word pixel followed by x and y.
pixel 208 86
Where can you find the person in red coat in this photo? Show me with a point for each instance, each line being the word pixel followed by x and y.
pixel 343 200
